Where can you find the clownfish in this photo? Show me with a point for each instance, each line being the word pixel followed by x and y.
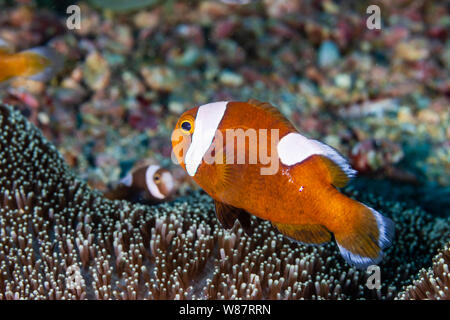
pixel 40 63
pixel 148 183
pixel 300 198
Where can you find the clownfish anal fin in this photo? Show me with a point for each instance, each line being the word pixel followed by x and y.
pixel 305 233
pixel 227 216
pixel 338 177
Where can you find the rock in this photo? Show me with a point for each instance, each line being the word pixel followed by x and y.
pixel 231 79
pixel 146 19
pixel 159 78
pixel 176 107
pixel 31 86
pixel 186 58
pixel 343 80
pixel 132 84
pixel 328 54
pixel 280 8
pixel 404 115
pixel 96 72
pixel 411 51
pixel 210 11
pixel 428 116
pixel 446 54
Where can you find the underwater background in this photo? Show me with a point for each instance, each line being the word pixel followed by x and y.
pixel 379 96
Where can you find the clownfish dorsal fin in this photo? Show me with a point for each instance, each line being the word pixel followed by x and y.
pixel 273 111
pixel 227 216
pixel 305 233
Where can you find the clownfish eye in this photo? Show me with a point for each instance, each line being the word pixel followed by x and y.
pixel 156 177
pixel 186 126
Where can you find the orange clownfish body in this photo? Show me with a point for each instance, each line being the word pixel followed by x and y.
pixel 251 160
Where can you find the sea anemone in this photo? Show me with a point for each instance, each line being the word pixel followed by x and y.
pixel 61 240
pixel 433 283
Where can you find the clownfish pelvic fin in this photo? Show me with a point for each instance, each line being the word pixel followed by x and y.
pixel 227 216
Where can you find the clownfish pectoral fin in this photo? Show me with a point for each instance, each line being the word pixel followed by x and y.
pixel 361 244
pixel 305 233
pixel 227 216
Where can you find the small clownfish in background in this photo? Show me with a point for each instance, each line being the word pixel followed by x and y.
pixel 300 199
pixel 40 63
pixel 148 183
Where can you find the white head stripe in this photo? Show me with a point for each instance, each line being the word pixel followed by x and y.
pixel 151 185
pixel 294 148
pixel 206 123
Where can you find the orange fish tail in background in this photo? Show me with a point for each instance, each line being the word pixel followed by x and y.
pixel 38 64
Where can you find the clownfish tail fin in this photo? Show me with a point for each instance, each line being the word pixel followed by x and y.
pixel 363 241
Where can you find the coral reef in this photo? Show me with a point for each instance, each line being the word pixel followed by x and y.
pixel 61 240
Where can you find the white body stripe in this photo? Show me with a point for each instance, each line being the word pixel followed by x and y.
pixel 206 123
pixel 151 185
pixel 294 148
pixel 167 179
